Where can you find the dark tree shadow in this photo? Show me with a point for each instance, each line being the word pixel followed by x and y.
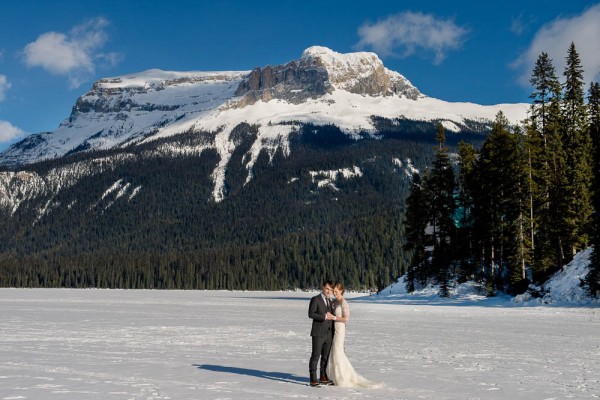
pixel 275 376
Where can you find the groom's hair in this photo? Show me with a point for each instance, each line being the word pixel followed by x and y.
pixel 330 283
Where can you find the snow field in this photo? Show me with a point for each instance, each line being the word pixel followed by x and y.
pixel 114 344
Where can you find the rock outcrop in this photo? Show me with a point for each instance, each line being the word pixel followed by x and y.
pixel 320 71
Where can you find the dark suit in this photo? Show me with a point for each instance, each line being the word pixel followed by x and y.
pixel 322 335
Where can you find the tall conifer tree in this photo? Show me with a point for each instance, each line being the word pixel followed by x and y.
pixel 546 90
pixel 520 235
pixel 417 218
pixel 546 159
pixel 465 243
pixel 502 203
pixel 578 150
pixel 431 207
pixel 441 185
pixel 544 112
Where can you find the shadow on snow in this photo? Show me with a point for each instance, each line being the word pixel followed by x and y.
pixel 275 376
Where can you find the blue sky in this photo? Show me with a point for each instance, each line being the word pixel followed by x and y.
pixel 51 52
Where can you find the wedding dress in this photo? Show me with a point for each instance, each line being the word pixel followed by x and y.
pixel 339 369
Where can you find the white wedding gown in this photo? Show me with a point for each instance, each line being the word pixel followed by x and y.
pixel 339 369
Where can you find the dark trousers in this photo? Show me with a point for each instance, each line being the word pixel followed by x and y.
pixel 321 347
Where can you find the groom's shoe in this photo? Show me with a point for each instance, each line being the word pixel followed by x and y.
pixel 313 379
pixel 325 380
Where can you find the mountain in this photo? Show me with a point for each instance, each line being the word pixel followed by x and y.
pixel 262 179
pixel 322 87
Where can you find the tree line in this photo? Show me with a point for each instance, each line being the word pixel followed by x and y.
pixel 520 207
pixel 365 254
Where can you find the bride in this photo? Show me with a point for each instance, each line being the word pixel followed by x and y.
pixel 339 369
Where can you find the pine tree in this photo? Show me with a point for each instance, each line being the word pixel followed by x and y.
pixel 501 204
pixel 547 167
pixel 486 208
pixel 518 209
pixel 551 245
pixel 467 157
pixel 593 278
pixel 431 207
pixel 546 87
pixel 578 150
pixel 531 148
pixel 417 206
pixel 441 185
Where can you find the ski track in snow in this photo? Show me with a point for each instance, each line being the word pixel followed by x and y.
pixel 117 344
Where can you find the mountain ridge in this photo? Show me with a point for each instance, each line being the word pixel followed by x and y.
pixel 321 87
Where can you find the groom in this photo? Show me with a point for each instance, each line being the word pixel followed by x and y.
pixel 319 310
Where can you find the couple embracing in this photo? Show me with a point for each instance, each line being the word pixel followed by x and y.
pixel 328 333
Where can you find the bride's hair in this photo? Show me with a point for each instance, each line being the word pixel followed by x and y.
pixel 340 287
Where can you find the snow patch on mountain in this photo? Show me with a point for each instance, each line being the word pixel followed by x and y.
pixel 327 178
pixel 116 191
pixel 409 169
pixel 21 186
pixel 118 184
pixel 134 192
pixel 41 211
pixel 450 126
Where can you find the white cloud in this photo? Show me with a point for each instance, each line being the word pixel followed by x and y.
pixel 9 132
pixel 74 54
pixel 517 25
pixel 4 86
pixel 56 53
pixel 555 38
pixel 409 32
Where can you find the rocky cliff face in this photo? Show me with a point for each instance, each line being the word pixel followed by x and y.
pixel 321 71
pixel 126 94
pixel 294 82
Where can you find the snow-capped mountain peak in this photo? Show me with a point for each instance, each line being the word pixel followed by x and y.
pixel 360 72
pixel 319 72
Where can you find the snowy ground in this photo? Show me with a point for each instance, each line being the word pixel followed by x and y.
pixel 114 344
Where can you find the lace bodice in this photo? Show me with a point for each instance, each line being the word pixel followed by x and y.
pixel 342 309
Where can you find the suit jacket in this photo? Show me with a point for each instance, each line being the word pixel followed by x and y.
pixel 316 311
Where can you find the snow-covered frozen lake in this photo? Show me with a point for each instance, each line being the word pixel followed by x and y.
pixel 114 344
